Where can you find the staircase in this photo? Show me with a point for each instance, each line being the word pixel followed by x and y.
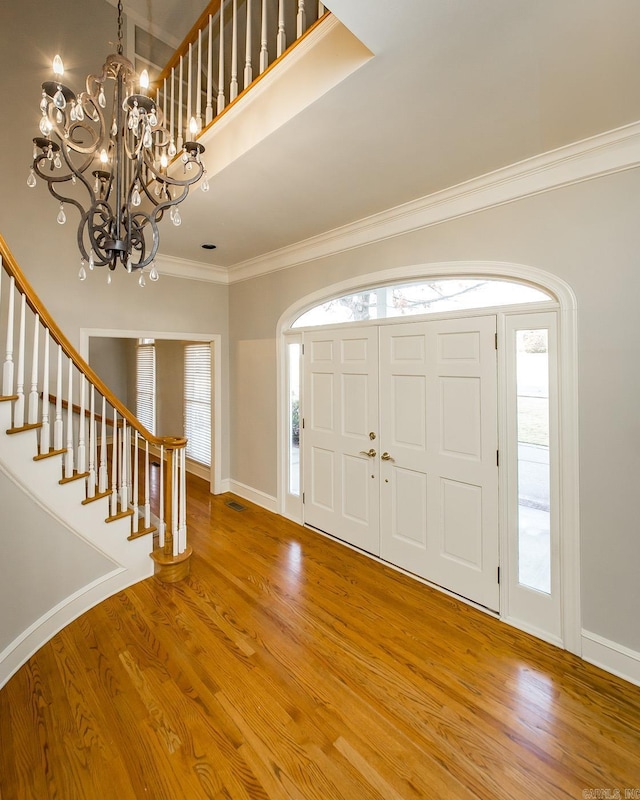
pixel 76 469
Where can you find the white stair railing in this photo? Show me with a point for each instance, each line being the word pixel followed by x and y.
pixel 229 31
pixel 113 460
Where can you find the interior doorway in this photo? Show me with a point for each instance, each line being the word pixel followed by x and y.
pixel 118 341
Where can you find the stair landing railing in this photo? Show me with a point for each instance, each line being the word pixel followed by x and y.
pixel 230 46
pixel 100 442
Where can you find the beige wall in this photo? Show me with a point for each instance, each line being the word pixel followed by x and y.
pixel 110 359
pixel 587 234
pixel 170 383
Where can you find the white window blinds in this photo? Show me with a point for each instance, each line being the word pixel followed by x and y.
pixel 146 384
pixel 197 402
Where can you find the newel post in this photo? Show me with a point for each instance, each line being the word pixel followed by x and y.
pixel 172 558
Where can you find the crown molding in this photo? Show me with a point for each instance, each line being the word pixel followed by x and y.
pixel 193 270
pixel 604 154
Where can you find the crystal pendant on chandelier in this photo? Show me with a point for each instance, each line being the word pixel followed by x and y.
pixel 59 100
pixel 135 196
pixel 31 180
pixel 62 217
pixel 108 278
pixel 141 281
pixel 82 274
pixel 204 186
pixel 153 273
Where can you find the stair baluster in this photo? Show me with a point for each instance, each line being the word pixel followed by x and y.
pixel 45 431
pixel 32 415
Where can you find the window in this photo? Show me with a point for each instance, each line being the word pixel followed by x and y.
pixel 534 487
pixel 197 402
pixel 424 297
pixel 146 384
pixel 294 355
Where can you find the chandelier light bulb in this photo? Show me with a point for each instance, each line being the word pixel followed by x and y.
pixel 144 79
pixel 193 126
pixel 104 158
pixel 58 66
pixel 164 161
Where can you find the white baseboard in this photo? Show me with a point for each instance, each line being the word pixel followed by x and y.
pixel 611 656
pixel 252 495
pixel 31 640
pixel 533 631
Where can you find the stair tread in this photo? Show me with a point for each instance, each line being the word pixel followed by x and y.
pixel 49 454
pixel 142 532
pixel 96 496
pixel 120 515
pixel 29 427
pixel 75 477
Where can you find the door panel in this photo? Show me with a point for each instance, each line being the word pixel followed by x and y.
pixel 341 410
pixel 438 423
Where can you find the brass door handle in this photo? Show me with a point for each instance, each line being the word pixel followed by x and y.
pixel 371 453
pixel 386 457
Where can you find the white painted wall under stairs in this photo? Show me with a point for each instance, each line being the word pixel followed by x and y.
pixel 59 557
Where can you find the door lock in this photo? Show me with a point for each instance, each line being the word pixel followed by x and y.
pixel 372 435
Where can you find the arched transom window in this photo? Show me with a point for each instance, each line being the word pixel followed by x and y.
pixel 420 297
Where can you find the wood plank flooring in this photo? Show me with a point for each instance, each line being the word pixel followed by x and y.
pixel 290 667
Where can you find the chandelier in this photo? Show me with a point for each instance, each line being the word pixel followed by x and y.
pixel 106 152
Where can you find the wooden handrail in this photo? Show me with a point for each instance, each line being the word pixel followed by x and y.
pixel 178 442
pixel 36 305
pixel 190 38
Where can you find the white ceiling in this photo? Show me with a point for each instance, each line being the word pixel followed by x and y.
pixel 457 88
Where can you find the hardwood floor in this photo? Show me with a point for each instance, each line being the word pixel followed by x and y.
pixel 288 666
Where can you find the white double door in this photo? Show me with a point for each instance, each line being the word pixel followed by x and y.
pixel 400 447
